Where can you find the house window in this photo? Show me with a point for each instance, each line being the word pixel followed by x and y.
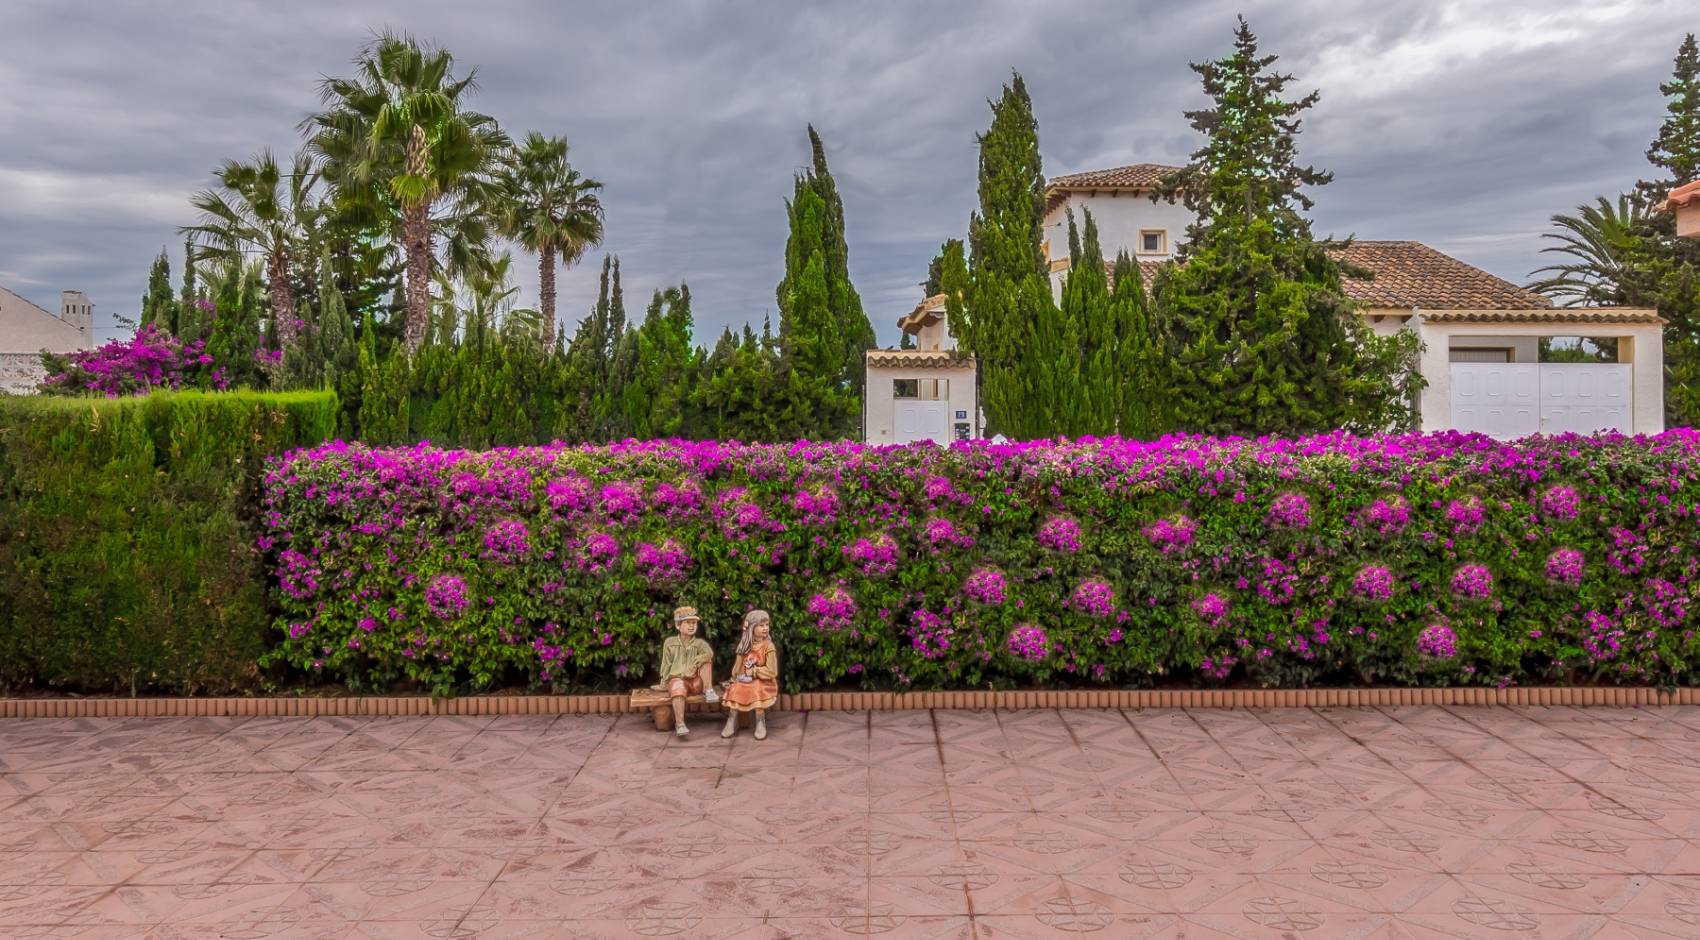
pixel 920 389
pixel 1153 241
pixel 1479 354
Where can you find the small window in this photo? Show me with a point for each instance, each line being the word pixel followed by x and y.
pixel 906 388
pixel 1153 241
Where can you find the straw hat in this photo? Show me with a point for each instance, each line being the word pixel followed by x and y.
pixel 682 614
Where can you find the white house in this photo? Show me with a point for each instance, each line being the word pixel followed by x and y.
pixel 26 330
pixel 1481 334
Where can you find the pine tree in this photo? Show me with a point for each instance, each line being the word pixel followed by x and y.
pixel 190 322
pixel 159 307
pixel 1676 149
pixel 1260 337
pixel 1008 305
pixel 823 331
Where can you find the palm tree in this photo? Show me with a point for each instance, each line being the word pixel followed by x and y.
pixel 399 145
pixel 547 208
pixel 257 209
pixel 1602 240
pixel 481 303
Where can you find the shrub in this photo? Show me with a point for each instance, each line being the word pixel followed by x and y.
pixel 127 534
pixel 1338 559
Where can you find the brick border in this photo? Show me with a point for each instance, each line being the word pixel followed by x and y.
pixel 619 703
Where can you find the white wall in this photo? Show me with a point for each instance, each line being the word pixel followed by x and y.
pixel 1119 216
pixel 879 405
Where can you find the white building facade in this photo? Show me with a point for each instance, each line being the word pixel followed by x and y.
pixel 1482 336
pixel 26 329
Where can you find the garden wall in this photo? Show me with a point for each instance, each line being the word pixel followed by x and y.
pixel 127 537
pixel 1408 560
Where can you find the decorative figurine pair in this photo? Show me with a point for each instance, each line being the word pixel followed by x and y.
pixel 687 668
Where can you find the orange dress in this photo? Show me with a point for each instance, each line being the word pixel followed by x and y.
pixel 762 662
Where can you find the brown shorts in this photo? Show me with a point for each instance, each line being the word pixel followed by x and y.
pixel 687 685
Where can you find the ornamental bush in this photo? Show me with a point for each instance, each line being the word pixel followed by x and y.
pixel 127 533
pixel 1412 559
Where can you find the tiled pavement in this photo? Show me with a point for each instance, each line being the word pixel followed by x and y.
pixel 1337 823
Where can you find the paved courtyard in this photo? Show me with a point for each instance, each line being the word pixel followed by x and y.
pixel 1337 823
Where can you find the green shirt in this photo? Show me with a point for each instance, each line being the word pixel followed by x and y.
pixel 680 658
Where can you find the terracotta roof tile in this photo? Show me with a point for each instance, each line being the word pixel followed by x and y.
pixel 919 358
pixel 1683 196
pixel 1411 274
pixel 1549 315
pixel 1136 177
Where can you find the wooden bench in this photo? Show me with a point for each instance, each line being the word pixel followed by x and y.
pixel 661 706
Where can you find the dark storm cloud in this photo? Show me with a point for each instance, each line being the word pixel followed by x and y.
pixel 1463 125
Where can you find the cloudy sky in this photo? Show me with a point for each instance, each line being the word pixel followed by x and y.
pixel 1463 125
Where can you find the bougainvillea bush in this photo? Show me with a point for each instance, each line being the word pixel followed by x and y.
pixel 1417 559
pixel 151 359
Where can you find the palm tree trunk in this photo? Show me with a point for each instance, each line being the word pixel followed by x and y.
pixel 283 298
pixel 546 294
pixel 416 242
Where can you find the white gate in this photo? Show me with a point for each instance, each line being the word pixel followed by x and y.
pixel 921 421
pixel 1508 400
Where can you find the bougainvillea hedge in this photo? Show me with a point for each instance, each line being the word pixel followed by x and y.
pixel 1413 559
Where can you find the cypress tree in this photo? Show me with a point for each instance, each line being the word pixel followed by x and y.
pixel 823 330
pixel 1135 377
pixel 934 284
pixel 1086 310
pixel 1009 306
pixel 657 397
pixel 159 308
pixel 1260 337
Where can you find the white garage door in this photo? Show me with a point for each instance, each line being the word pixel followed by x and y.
pixel 1509 400
pixel 1497 398
pixel 922 421
pixel 1585 397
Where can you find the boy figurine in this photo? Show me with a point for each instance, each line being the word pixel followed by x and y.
pixel 686 666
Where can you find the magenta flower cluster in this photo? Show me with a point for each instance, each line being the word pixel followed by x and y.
pixel 1029 642
pixel 1465 515
pixel 1388 516
pixel 941 533
pixel 1060 534
pixel 151 359
pixel 445 596
pixel 1171 535
pixel 1561 503
pixel 929 634
pixel 1472 581
pixel 816 507
pixel 1564 566
pixel 987 586
pixel 1290 511
pixel 666 562
pixel 1437 641
pixel 1373 583
pixel 833 609
pixel 507 541
pixel 1094 597
pixel 1211 609
pixel 876 557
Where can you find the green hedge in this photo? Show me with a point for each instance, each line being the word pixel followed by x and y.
pixel 127 537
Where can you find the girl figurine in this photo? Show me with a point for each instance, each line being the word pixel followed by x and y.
pixel 755 675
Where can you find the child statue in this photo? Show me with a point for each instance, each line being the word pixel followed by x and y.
pixel 686 666
pixel 755 675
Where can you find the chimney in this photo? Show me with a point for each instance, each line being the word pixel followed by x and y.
pixel 75 309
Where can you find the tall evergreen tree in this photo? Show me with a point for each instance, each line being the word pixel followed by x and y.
pixel 934 284
pixel 658 396
pixel 1085 308
pixel 1676 149
pixel 823 330
pixel 1135 367
pixel 1261 338
pixel 1009 305
pixel 159 307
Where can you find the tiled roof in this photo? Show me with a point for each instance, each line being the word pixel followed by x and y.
pixel 1683 196
pixel 1137 177
pixel 918 359
pixel 1549 315
pixel 931 307
pixel 1411 274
